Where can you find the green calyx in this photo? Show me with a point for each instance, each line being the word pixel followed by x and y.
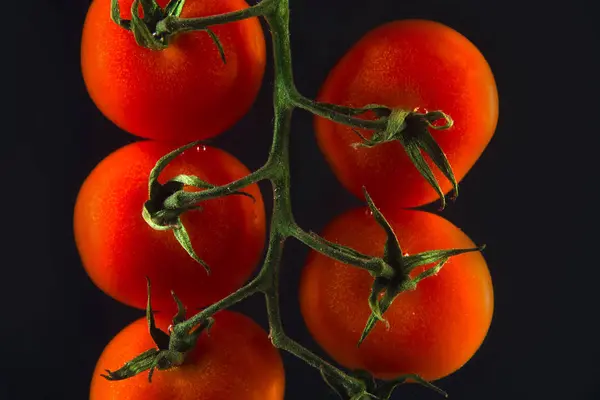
pixel 170 351
pixel 411 129
pixel 160 217
pixel 385 289
pixel 145 29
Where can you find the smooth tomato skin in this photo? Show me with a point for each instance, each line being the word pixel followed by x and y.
pixel 409 64
pixel 180 94
pixel 118 249
pixel 235 361
pixel 434 330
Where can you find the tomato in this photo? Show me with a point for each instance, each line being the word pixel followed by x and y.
pixel 434 329
pixel 118 249
pixel 409 64
pixel 179 94
pixel 234 361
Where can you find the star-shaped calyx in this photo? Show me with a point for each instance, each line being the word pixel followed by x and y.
pixel 386 289
pixel 170 351
pixel 144 28
pixel 167 202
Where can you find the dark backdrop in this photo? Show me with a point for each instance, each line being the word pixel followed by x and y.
pixel 529 197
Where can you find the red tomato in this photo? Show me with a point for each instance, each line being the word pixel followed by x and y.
pixel 234 361
pixel 119 249
pixel 409 64
pixel 435 329
pixel 180 94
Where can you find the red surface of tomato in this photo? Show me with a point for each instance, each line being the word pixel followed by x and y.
pixel 434 329
pixel 180 94
pixel 409 64
pixel 236 361
pixel 119 249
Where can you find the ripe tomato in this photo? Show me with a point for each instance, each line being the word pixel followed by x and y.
pixel 119 249
pixel 180 94
pixel 409 64
pixel 234 361
pixel 434 329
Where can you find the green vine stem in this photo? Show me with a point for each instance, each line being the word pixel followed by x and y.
pixel 167 202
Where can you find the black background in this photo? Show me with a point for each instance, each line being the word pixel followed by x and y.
pixel 530 198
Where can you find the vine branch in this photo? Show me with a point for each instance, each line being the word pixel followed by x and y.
pixel 175 25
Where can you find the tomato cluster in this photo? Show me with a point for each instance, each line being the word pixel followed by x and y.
pixel 436 328
pixel 187 92
pixel 175 96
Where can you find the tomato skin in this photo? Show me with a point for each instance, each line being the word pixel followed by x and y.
pixel 180 94
pixel 408 64
pixel 235 361
pixel 118 249
pixel 434 329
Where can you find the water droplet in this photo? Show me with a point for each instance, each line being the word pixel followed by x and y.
pixel 170 329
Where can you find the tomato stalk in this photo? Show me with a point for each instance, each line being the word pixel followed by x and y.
pixel 282 221
pixel 390 271
pixel 339 114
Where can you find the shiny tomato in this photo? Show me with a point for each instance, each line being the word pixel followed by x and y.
pixel 434 329
pixel 409 64
pixel 119 249
pixel 234 361
pixel 179 94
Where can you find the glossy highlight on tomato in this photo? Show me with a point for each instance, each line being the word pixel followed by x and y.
pixel 434 330
pixel 234 361
pixel 119 250
pixel 409 64
pixel 180 94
